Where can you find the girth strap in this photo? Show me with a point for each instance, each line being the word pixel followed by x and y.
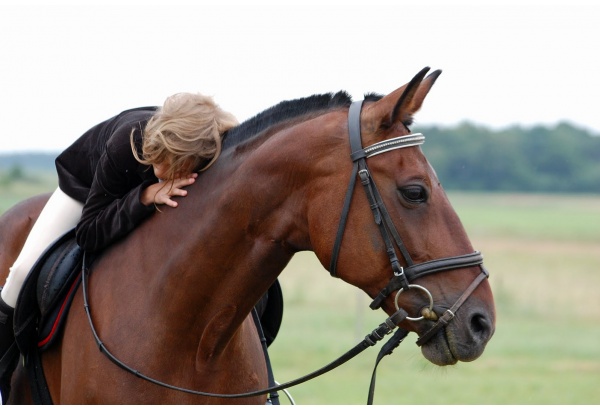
pixel 273 396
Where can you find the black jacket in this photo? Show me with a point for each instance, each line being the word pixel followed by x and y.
pixel 99 169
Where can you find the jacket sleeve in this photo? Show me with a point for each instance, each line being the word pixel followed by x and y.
pixel 113 207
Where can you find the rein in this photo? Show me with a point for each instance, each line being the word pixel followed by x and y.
pixel 371 339
pixel 400 281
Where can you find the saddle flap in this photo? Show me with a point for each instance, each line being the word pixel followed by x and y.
pixel 50 279
pixel 55 276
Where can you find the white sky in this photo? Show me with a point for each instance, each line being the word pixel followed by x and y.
pixel 65 66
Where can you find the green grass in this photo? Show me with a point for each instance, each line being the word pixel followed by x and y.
pixel 532 217
pixel 543 252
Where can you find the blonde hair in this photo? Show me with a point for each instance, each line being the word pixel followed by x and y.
pixel 186 132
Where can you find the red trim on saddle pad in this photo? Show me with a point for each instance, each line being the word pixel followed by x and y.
pixel 59 316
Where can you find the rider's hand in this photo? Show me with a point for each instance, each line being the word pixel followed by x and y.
pixel 163 191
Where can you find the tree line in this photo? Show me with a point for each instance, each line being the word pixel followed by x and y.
pixel 563 158
pixel 466 157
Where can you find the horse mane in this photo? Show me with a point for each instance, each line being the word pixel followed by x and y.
pixel 285 111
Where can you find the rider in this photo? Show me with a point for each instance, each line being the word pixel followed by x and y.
pixel 112 178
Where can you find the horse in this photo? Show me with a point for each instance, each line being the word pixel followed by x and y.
pixel 173 298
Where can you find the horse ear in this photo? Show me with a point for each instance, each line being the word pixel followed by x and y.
pixel 412 99
pixel 401 104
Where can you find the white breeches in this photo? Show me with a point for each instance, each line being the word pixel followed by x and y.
pixel 60 214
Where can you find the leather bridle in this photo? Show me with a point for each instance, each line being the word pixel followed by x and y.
pixel 403 276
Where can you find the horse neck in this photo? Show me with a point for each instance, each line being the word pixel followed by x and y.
pixel 235 232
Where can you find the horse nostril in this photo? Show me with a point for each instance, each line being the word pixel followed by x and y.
pixel 480 326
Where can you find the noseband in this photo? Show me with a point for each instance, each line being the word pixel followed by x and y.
pixel 402 275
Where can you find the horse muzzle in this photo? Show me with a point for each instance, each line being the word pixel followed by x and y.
pixel 463 339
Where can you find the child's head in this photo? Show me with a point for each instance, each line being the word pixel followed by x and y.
pixel 184 134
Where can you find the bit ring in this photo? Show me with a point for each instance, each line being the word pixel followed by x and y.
pixel 422 289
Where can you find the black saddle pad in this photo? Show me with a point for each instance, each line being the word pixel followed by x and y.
pixel 270 311
pixel 41 306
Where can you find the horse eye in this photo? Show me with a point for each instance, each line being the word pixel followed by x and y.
pixel 415 194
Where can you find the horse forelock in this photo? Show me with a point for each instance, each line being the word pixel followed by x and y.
pixel 285 111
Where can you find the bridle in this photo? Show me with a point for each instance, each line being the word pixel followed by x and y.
pixel 402 275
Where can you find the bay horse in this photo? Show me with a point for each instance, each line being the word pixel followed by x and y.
pixel 173 298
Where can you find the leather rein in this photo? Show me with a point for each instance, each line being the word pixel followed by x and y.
pixel 402 276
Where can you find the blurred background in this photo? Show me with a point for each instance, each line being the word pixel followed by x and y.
pixel 512 131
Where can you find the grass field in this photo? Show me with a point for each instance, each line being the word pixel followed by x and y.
pixel 543 252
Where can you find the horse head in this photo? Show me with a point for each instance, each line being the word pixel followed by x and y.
pixel 405 190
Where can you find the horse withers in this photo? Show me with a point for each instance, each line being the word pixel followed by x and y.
pixel 173 298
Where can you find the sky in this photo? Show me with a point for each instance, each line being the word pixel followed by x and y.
pixel 66 66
